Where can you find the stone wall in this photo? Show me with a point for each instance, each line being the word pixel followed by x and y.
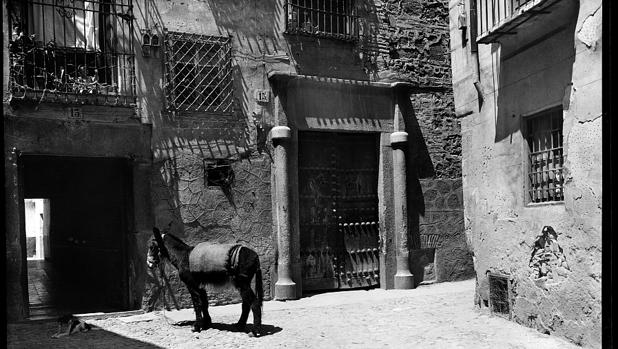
pixel 550 253
pixel 441 132
pixel 439 251
pixel 413 41
pixel 414 38
pixel 199 212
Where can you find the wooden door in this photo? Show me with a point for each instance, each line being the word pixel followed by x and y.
pixel 338 177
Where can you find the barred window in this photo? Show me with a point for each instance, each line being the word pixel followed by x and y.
pixel 546 156
pixel 198 72
pixel 499 302
pixel 331 18
pixel 72 51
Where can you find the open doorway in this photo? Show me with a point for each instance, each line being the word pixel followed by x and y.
pixel 37 229
pixel 77 214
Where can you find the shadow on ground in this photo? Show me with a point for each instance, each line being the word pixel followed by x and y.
pixel 267 330
pixel 39 336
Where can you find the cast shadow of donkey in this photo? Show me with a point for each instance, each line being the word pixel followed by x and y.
pixel 215 264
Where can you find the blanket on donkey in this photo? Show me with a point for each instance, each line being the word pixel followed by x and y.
pixel 213 258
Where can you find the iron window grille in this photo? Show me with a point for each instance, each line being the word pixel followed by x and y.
pixel 72 51
pixel 499 295
pixel 545 157
pixel 328 18
pixel 198 73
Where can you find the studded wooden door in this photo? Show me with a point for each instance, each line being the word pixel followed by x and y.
pixel 338 178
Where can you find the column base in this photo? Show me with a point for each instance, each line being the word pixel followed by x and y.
pixel 404 282
pixel 285 290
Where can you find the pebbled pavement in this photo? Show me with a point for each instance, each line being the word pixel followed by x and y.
pixel 430 316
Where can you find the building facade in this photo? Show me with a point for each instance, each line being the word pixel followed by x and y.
pixel 319 133
pixel 527 85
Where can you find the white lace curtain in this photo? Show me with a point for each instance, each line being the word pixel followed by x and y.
pixel 68 23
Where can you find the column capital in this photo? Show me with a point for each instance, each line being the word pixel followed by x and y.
pixel 280 132
pixel 399 137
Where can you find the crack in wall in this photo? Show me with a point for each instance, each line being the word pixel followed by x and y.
pixel 590 31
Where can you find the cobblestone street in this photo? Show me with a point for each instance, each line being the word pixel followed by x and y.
pixel 430 316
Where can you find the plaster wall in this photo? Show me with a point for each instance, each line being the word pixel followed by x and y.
pixel 550 63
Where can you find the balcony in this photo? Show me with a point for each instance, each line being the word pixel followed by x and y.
pixel 498 18
pixel 77 52
pixel 335 19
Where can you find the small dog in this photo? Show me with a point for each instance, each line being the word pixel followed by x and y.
pixel 74 325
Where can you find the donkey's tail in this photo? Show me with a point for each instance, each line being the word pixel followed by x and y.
pixel 259 289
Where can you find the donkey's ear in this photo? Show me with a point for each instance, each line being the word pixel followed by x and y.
pixel 157 234
pixel 159 240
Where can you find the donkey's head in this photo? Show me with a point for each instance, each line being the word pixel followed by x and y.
pixel 156 248
pixel 153 258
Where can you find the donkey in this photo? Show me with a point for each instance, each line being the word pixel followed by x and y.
pixel 214 264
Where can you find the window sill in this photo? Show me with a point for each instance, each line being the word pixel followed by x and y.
pixel 323 35
pixel 543 204
pixel 73 98
pixel 198 115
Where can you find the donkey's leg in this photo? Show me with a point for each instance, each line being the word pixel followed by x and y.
pixel 195 297
pixel 248 266
pixel 256 308
pixel 207 322
pixel 248 297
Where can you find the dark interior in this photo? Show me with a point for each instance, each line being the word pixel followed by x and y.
pixel 89 206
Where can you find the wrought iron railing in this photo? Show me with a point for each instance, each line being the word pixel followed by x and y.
pixel 327 18
pixel 72 51
pixel 198 70
pixel 491 14
pixel 546 157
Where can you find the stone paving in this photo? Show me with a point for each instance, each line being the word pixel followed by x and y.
pixel 430 316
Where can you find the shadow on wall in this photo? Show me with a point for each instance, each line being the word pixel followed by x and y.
pixel 418 163
pixel 438 248
pixel 149 68
pixel 535 68
pixel 251 23
pixel 259 29
pixel 188 148
pixel 200 211
pixel 258 47
pixel 323 56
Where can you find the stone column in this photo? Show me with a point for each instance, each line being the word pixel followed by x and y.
pixel 285 288
pixel 403 278
pixel 16 267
